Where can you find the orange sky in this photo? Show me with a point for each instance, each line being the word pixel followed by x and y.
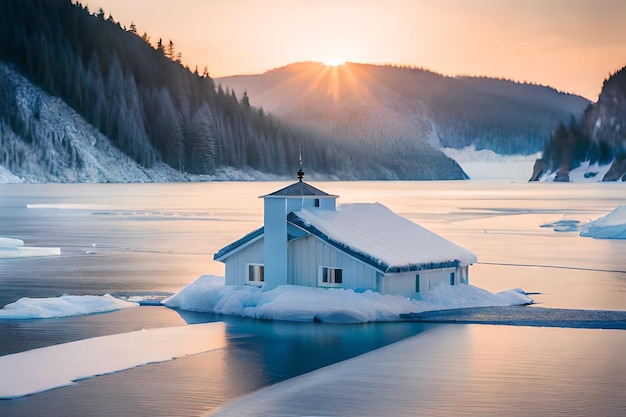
pixel 572 45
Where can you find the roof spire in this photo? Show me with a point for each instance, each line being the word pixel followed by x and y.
pixel 300 172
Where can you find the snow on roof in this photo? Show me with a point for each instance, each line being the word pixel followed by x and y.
pixel 381 238
pixel 300 189
pixel 611 226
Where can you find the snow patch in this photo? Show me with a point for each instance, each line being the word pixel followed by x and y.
pixel 588 172
pixel 296 303
pixel 64 306
pixel 51 367
pixel 7 177
pixel 611 226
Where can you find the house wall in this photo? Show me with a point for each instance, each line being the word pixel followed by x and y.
pixel 404 283
pixel 275 235
pixel 236 265
pixel 307 254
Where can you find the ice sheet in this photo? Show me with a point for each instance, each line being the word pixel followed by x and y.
pixel 51 367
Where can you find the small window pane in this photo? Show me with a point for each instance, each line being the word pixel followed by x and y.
pixel 261 273
pixel 338 277
pixel 417 283
pixel 250 272
pixel 325 275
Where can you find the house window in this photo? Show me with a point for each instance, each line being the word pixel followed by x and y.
pixel 256 274
pixel 317 202
pixel 451 278
pixel 330 277
pixel 417 283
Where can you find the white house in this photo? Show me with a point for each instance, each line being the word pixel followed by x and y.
pixel 307 240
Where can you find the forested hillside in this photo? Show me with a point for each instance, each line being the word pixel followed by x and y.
pixel 400 107
pixel 155 110
pixel 594 145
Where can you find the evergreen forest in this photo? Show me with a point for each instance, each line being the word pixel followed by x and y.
pixel 156 110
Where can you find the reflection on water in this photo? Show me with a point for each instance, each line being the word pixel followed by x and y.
pixel 462 370
pixel 257 354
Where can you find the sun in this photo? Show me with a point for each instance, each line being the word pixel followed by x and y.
pixel 333 62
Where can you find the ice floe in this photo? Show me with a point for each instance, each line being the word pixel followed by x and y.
pixel 42 369
pixel 14 248
pixel 64 306
pixel 611 226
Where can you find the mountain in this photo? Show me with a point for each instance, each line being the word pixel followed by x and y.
pixel 55 144
pixel 142 102
pixel 399 110
pixel 593 147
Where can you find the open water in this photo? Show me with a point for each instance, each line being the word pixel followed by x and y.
pixel 151 239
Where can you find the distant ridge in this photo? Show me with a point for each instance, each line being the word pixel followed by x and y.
pixel 398 107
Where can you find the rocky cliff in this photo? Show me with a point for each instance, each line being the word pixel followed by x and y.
pixel 594 148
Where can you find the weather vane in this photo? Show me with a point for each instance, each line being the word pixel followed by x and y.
pixel 300 172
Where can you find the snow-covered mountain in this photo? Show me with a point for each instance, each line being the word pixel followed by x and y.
pixel 592 148
pixel 55 144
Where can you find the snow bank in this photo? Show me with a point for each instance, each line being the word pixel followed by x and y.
pixel 296 303
pixel 611 226
pixel 485 164
pixel 14 248
pixel 51 367
pixel 586 172
pixel 64 306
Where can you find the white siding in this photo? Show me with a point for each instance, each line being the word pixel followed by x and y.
pixel 463 273
pixel 237 263
pixel 401 283
pixel 307 254
pixel 404 283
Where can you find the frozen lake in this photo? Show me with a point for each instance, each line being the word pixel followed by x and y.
pixel 151 239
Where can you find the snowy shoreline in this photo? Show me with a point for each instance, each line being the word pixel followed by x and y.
pixel 208 294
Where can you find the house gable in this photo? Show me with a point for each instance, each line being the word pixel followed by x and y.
pixel 238 244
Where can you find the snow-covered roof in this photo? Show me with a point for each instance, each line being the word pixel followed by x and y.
pixel 377 236
pixel 300 189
